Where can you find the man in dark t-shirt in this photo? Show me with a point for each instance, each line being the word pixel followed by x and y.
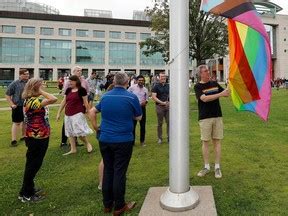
pixel 160 94
pixel 210 118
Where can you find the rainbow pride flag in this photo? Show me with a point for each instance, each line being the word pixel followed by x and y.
pixel 250 55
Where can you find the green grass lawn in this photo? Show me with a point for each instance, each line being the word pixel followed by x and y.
pixel 254 167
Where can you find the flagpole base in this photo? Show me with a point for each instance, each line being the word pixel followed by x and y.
pixel 178 202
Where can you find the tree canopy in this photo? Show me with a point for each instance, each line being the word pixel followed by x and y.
pixel 207 33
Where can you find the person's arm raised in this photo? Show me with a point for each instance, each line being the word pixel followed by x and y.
pixel 49 98
pixel 208 98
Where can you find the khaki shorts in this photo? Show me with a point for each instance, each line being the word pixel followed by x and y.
pixel 211 128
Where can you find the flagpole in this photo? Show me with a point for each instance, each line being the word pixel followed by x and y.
pixel 180 196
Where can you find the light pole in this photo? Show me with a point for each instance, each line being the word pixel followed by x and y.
pixel 179 196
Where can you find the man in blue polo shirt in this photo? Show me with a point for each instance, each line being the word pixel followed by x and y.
pixel 118 109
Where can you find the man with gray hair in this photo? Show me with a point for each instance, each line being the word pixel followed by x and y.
pixel 118 109
pixel 77 70
pixel 210 118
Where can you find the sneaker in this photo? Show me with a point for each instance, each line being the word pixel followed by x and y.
pixel 13 143
pixel 38 191
pixel 34 198
pixel 218 173
pixel 159 141
pixel 143 144
pixel 203 172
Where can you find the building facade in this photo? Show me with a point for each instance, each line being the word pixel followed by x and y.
pixel 27 6
pixel 277 29
pixel 51 45
pixel 140 15
pixel 98 13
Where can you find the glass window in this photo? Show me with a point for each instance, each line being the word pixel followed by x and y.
pixel 115 35
pixel 144 36
pixel 65 32
pixel 55 51
pixel 7 73
pixel 28 30
pixel 46 31
pixel 122 53
pixel 90 52
pixel 16 50
pixel 82 33
pixel 8 29
pixel 155 59
pixel 46 74
pixel 99 34
pixel 130 35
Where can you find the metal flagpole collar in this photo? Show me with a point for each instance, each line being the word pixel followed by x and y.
pixel 177 202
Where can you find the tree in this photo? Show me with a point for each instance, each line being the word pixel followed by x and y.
pixel 208 33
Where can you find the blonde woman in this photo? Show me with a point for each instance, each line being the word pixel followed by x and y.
pixel 75 103
pixel 37 132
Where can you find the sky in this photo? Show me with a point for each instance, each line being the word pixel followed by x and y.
pixel 120 8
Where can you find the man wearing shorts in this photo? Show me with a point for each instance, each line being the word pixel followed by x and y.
pixel 14 98
pixel 210 118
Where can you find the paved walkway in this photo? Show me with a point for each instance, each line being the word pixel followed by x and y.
pixel 8 108
pixel 52 105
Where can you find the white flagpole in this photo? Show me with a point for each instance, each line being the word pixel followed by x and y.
pixel 179 196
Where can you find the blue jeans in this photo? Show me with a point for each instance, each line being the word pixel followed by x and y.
pixel 116 157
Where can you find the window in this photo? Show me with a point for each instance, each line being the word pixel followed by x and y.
pixel 122 53
pixel 144 36
pixel 115 35
pixel 64 32
pixel 82 33
pixel 16 50
pixel 130 35
pixel 7 73
pixel 99 34
pixel 55 51
pixel 90 52
pixel 156 59
pixel 46 31
pixel 28 30
pixel 8 29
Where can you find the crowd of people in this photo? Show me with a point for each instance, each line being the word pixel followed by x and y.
pixel 121 107
pixel 278 83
